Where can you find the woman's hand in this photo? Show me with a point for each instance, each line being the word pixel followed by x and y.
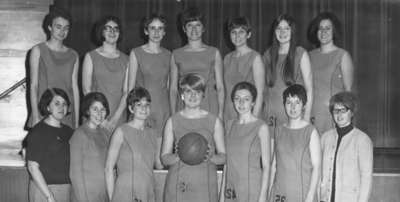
pixel 209 154
pixel 109 125
pixel 50 198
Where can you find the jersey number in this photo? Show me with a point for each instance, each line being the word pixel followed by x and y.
pixel 280 198
pixel 230 193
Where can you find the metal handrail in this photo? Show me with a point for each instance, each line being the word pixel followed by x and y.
pixel 12 88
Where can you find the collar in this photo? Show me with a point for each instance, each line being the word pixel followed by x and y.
pixel 344 131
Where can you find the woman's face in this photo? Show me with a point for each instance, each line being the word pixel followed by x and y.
pixel 341 115
pixel 194 30
pixel 239 36
pixel 97 113
pixel 155 31
pixel 141 109
pixel 192 98
pixel 325 32
pixel 283 32
pixel 294 107
pixel 243 101
pixel 111 32
pixel 57 108
pixel 59 28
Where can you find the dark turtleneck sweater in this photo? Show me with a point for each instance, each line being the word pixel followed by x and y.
pixel 341 133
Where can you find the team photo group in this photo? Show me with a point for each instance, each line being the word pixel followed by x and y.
pixel 278 125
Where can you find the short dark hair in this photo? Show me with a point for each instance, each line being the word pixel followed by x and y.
pixel 48 96
pixel 194 81
pixel 89 99
pixel 239 22
pixel 137 94
pixel 190 15
pixel 244 85
pixel 100 26
pixel 314 27
pixel 53 14
pixel 155 16
pixel 347 99
pixel 295 90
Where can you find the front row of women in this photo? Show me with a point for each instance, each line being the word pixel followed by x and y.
pixel 56 160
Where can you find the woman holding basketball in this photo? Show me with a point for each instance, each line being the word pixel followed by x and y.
pixel 194 183
pixel 247 144
pixel 133 151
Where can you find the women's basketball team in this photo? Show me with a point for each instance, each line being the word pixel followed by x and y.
pixel 280 124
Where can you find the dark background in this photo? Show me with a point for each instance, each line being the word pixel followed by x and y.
pixel 369 34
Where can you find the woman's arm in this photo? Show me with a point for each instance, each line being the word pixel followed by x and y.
pixel 167 157
pixel 87 71
pixel 34 74
pixel 158 165
pixel 133 66
pixel 365 162
pixel 77 150
pixel 38 179
pixel 112 156
pixel 305 67
pixel 220 157
pixel 315 153
pixel 259 81
pixel 273 167
pixel 222 188
pixel 347 71
pixel 219 78
pixel 173 85
pixel 265 142
pixel 75 91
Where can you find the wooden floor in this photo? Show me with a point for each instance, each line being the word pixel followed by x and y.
pixel 14 185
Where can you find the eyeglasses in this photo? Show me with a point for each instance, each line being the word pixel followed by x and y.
pixel 340 110
pixel 109 28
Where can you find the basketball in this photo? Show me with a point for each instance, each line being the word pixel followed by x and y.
pixel 192 148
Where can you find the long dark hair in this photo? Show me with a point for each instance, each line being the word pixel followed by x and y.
pixel 288 66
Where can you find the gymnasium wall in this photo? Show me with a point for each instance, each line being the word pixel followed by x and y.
pixel 20 29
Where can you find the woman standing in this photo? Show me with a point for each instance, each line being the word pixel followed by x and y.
pixel 332 67
pixel 286 64
pixel 105 70
pixel 347 155
pixel 150 65
pixel 54 65
pixel 88 147
pixel 247 144
pixel 133 151
pixel 197 57
pixel 194 183
pixel 242 64
pixel 297 156
pixel 47 150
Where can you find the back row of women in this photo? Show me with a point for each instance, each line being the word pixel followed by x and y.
pixel 323 71
pixel 202 104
